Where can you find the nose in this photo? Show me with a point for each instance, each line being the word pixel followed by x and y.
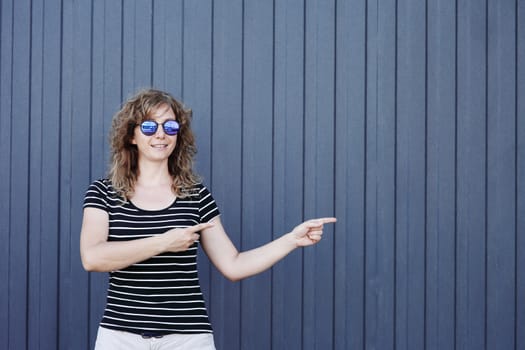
pixel 160 132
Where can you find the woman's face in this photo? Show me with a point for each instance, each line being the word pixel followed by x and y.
pixel 159 146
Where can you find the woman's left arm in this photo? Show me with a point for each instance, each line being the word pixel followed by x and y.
pixel 236 265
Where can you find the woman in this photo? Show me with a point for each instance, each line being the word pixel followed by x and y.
pixel 143 225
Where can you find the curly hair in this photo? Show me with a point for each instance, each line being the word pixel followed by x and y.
pixel 124 170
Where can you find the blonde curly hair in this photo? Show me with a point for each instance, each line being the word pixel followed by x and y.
pixel 123 171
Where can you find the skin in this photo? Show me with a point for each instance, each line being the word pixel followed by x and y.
pixel 153 192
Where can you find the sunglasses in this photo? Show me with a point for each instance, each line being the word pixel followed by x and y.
pixel 149 127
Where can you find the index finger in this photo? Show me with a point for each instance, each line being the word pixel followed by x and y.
pixel 199 227
pixel 326 220
pixel 322 221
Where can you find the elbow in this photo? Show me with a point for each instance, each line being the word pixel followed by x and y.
pixel 233 278
pixel 237 270
pixel 89 268
pixel 231 268
pixel 86 260
pixel 232 275
pixel 93 268
pixel 90 264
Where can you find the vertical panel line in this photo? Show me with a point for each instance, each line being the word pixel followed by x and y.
pixel 486 167
pixel 210 180
pixel 425 186
pixel 334 160
pixel 59 187
pixel 28 181
pixel 183 25
pixel 272 178
pixel 395 173
pixel 212 68
pixel 365 160
pixel 11 87
pixel 303 165
pixel 41 155
pixel 104 64
pixel 516 173
pixel 455 172
pixel 122 50
pixel 241 213
pixel 90 162
pixel 152 45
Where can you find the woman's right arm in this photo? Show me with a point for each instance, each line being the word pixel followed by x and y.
pixel 100 255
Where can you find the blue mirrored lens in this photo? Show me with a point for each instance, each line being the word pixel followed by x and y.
pixel 148 127
pixel 171 127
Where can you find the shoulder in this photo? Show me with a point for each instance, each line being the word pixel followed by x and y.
pixel 207 207
pixel 101 186
pixel 101 194
pixel 195 191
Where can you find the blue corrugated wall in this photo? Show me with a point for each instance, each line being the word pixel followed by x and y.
pixel 403 118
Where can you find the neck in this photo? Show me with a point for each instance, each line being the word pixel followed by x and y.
pixel 153 173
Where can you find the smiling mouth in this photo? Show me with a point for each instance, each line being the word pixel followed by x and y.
pixel 159 146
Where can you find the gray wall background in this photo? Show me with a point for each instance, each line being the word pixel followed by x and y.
pixel 403 118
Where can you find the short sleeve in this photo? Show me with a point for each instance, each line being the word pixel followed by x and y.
pixel 96 195
pixel 207 207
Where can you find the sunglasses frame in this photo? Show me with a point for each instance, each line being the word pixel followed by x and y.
pixel 155 127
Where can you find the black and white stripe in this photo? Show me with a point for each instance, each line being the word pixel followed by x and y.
pixel 163 293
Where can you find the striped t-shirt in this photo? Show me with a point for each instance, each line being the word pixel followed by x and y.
pixel 161 294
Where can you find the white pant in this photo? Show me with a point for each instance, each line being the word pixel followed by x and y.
pixel 109 339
